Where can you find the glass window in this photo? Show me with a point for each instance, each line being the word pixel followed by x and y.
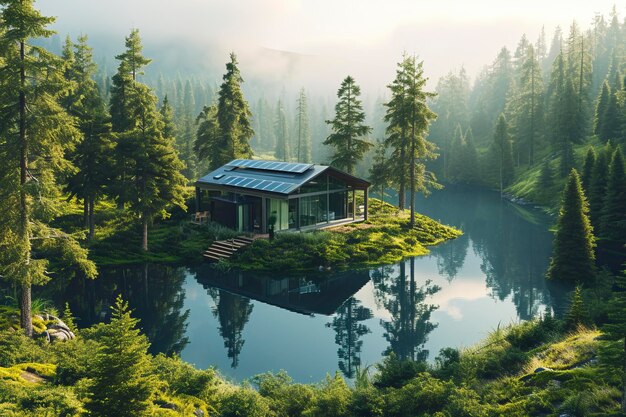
pixel 336 184
pixel 280 209
pixel 313 210
pixel 337 205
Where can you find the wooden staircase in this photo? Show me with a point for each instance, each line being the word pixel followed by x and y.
pixel 221 249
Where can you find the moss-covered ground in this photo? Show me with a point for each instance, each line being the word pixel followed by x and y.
pixel 385 238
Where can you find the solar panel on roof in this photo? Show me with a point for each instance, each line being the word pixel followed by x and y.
pixel 258 184
pixel 292 167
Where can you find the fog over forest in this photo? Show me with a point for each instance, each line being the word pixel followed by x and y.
pixel 313 44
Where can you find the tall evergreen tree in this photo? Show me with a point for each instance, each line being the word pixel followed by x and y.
pixel 283 150
pixel 348 128
pixel 613 217
pixel 597 188
pixel 502 152
pixel 122 106
pixel 528 107
pixel 601 107
pixel 380 170
pixel 572 254
pixel 149 171
pixel 303 149
pixel 121 382
pixel 93 154
pixel 588 165
pixel 35 134
pixel 231 139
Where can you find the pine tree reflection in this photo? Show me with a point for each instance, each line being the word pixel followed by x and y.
pixel 233 312
pixel 410 324
pixel 348 332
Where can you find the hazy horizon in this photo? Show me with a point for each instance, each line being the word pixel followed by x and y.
pixel 315 44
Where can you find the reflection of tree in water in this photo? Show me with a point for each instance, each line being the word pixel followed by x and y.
pixel 408 329
pixel 232 312
pixel 451 256
pixel 515 255
pixel 348 332
pixel 155 294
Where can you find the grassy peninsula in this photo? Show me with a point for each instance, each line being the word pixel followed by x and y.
pixel 385 238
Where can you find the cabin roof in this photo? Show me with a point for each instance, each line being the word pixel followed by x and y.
pixel 275 177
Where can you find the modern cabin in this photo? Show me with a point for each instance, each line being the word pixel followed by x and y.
pixel 246 195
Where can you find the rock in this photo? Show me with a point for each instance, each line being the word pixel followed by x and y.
pixel 60 326
pixel 169 406
pixel 198 413
pixel 541 369
pixel 59 335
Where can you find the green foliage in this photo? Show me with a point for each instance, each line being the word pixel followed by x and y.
pixel 244 402
pixel 577 314
pixel 348 128
pixel 121 382
pixel 225 130
pixel 572 254
pixel 613 214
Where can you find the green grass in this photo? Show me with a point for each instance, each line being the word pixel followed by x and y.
pixel 384 239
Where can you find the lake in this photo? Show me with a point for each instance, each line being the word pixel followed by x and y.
pixel 310 325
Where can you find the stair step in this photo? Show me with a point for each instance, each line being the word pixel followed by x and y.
pixel 219 251
pixel 229 243
pixel 213 258
pixel 226 248
pixel 216 254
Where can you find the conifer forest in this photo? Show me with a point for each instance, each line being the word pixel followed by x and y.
pixel 289 208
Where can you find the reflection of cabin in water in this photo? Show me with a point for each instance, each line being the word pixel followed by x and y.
pixel 322 294
pixel 245 194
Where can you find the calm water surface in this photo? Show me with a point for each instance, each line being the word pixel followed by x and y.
pixel 309 325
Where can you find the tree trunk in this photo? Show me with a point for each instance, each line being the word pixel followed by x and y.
pixel 25 299
pixel 144 234
pixel 91 220
pixel 402 187
pixel 25 309
pixel 86 212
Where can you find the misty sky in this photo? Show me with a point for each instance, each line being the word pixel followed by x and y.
pixel 364 38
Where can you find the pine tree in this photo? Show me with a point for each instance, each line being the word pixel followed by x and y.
pixel 577 314
pixel 503 153
pixel 455 168
pixel 149 171
pixel 123 108
pixel 615 329
pixel 121 381
pixel 348 128
pixel 603 102
pixel 470 159
pixel 597 188
pixel 588 165
pixel 611 122
pixel 283 151
pixel 572 254
pixel 528 106
pixel 613 214
pixel 186 134
pixel 157 182
pixel 303 150
pixel 35 134
pixel 228 136
pixel 546 180
pixel 93 154
pixel 380 169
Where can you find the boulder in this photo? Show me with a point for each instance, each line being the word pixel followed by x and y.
pixel 198 413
